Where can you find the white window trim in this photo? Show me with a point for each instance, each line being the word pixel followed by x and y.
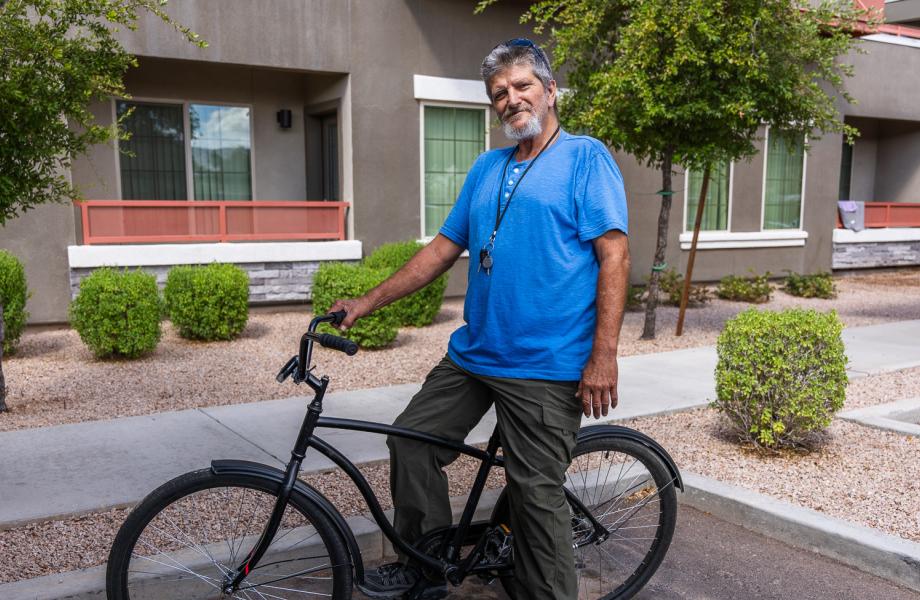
pixel 721 240
pixel 763 186
pixel 187 132
pixel 447 89
pixel 421 146
pixel 731 191
pixel 150 255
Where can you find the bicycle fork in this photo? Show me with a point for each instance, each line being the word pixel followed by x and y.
pixel 236 577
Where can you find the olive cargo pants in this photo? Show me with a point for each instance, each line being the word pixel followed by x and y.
pixel 538 421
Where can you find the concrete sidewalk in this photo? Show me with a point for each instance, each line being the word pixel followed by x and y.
pixel 72 469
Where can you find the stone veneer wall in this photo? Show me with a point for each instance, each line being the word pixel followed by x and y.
pixel 875 254
pixel 268 282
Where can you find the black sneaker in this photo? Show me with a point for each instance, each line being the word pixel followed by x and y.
pixel 392 580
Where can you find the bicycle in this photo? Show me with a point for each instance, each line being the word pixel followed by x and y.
pixel 245 530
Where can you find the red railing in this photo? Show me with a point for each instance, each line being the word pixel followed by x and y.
pixel 152 221
pixel 890 214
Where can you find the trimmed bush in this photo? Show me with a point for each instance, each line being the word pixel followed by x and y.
pixel 418 309
pixel 13 296
pixel 117 313
pixel 781 376
pixel 755 289
pixel 671 284
pixel 209 302
pixel 817 285
pixel 338 281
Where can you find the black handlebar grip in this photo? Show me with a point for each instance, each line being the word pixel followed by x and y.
pixel 338 343
pixel 339 316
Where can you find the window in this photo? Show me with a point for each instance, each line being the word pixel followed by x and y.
pixel 153 166
pixel 330 157
pixel 214 164
pixel 715 210
pixel 846 171
pixel 221 149
pixel 785 170
pixel 453 138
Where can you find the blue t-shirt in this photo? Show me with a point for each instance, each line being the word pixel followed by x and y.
pixel 534 316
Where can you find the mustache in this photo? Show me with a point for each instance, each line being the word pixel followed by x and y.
pixel 509 113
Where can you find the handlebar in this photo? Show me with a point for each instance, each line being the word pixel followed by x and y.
pixel 297 365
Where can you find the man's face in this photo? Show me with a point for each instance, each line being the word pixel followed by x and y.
pixel 521 101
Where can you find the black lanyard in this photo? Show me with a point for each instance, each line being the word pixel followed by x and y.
pixel 485 254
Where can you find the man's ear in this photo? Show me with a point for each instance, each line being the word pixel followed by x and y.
pixel 551 88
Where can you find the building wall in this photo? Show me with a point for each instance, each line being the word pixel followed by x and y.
pixel 897 173
pixel 39 238
pixel 307 35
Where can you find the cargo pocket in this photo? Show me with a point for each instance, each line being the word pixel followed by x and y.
pixel 561 409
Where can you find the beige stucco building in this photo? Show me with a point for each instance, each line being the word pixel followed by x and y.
pixel 377 104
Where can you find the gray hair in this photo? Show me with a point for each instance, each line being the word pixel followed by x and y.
pixel 509 54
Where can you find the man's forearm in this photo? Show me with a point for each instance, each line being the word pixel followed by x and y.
pixel 612 285
pixel 423 268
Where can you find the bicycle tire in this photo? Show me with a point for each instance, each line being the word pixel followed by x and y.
pixel 174 544
pixel 641 499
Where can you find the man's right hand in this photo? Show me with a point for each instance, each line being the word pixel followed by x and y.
pixel 355 309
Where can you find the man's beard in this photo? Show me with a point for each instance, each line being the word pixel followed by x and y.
pixel 531 129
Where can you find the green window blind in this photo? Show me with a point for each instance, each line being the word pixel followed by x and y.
pixel 715 210
pixel 783 195
pixel 153 166
pixel 454 137
pixel 221 150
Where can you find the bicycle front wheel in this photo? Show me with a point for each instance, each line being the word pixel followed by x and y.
pixel 630 491
pixel 183 540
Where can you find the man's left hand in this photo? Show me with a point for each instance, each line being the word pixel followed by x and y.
pixel 598 387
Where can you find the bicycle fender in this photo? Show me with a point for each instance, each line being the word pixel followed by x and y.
pixel 591 432
pixel 254 469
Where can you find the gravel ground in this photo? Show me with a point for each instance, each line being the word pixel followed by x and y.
pixel 851 475
pixel 53 379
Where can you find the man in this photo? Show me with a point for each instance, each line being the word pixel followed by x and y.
pixel 545 226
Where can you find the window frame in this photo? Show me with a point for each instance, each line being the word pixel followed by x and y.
pixel 731 194
pixel 763 183
pixel 187 129
pixel 421 145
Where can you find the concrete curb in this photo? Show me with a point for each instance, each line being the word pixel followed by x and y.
pixel 886 556
pixel 900 417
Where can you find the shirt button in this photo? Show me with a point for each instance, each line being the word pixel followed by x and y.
pixel 516 169
pixel 507 194
pixel 510 182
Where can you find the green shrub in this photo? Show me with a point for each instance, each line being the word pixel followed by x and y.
pixel 755 289
pixel 13 296
pixel 208 302
pixel 780 375
pixel 338 281
pixel 418 309
pixel 817 285
pixel 671 284
pixel 117 313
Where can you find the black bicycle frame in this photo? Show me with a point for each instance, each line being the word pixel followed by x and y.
pixel 305 439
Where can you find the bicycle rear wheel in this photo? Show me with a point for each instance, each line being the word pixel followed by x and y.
pixel 629 490
pixel 184 538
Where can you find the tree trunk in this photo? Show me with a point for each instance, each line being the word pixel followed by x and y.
pixel 2 379
pixel 697 223
pixel 648 332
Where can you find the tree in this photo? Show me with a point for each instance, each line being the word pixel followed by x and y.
pixel 690 82
pixel 57 56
